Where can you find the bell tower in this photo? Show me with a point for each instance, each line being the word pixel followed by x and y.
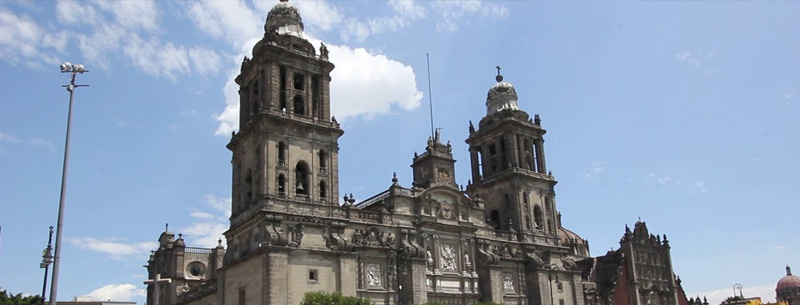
pixel 286 149
pixel 508 167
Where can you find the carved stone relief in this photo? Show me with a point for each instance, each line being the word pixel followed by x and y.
pixel 448 255
pixel 508 281
pixel 374 275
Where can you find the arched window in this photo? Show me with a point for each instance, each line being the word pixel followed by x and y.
pixel 537 213
pixel 299 105
pixel 301 176
pixel 494 219
pixel 323 190
pixel 323 158
pixel 281 185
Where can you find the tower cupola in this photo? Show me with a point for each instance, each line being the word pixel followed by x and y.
pixel 284 19
pixel 501 96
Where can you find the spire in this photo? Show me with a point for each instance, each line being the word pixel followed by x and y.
pixel 788 270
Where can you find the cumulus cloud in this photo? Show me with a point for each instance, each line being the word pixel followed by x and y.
pixel 366 84
pixel 788 95
pixel 766 292
pixel 130 30
pixel 116 292
pixel 207 226
pixel 8 138
pixel 117 250
pixel 24 41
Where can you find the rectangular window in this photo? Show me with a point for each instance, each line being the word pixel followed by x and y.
pixel 560 301
pixel 313 276
pixel 299 82
pixel 560 286
pixel 241 297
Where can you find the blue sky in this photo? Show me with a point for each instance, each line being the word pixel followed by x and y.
pixel 682 113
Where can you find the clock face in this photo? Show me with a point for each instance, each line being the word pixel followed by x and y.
pixel 196 269
pixel 444 175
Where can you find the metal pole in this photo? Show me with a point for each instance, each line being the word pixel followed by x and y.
pixel 46 264
pixel 60 224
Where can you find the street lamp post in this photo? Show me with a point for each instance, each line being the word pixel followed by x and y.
pixel 66 67
pixel 47 259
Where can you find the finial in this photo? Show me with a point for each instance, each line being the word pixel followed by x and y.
pixel 499 77
pixel 788 270
pixel 640 219
pixel 219 241
pixel 166 227
pixel 180 235
pixel 394 177
pixel 284 0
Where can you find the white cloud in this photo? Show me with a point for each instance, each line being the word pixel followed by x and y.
pixel 43 143
pixel 23 41
pixel 8 138
pixel 117 250
pixel 453 12
pixel 766 292
pixel 590 176
pixel 316 14
pixel 788 95
pixel 207 228
pixel 700 186
pixel 130 30
pixel 116 292
pixel 663 180
pixel 682 56
pixel 365 85
pixel 231 21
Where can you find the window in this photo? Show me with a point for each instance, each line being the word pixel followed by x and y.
pixel 299 105
pixel 281 185
pixel 560 301
pixel 313 276
pixel 241 297
pixel 299 82
pixel 560 287
pixel 537 213
pixel 323 158
pixel 283 89
pixel 301 176
pixel 323 190
pixel 494 219
pixel 281 153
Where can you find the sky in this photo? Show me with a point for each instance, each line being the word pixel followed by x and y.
pixel 681 113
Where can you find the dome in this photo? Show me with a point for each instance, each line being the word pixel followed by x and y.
pixel 789 281
pixel 284 19
pixel 569 237
pixel 502 96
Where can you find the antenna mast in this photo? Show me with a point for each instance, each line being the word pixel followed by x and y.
pixel 430 97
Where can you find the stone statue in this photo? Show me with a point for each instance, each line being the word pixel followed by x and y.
pixel 429 257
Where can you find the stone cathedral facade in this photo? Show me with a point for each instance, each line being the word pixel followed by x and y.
pixel 499 240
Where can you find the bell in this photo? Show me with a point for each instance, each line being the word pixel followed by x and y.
pixel 300 186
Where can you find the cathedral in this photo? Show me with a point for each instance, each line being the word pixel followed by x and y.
pixel 499 240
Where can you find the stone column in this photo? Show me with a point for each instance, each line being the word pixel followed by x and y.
pixel 473 158
pixel 540 156
pixel 515 160
pixel 348 274
pixel 275 287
